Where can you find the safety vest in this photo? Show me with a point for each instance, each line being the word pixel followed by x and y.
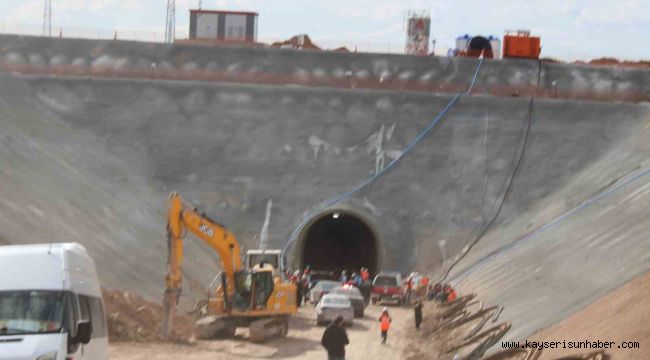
pixel 384 322
pixel 365 275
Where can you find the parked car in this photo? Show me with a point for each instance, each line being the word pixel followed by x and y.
pixel 355 297
pixel 51 304
pixel 330 306
pixel 388 286
pixel 318 275
pixel 321 288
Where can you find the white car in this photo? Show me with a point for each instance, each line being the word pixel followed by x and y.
pixel 51 305
pixel 355 297
pixel 321 288
pixel 330 306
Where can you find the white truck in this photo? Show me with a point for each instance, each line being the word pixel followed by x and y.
pixel 51 305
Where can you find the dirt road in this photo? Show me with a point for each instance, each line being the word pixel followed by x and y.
pixel 303 342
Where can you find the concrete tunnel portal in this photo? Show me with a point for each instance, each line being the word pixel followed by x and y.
pixel 339 240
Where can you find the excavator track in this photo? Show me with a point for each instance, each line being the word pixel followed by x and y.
pixel 214 327
pixel 264 329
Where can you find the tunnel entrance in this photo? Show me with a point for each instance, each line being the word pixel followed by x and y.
pixel 339 241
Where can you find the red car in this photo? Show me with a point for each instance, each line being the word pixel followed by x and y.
pixel 388 287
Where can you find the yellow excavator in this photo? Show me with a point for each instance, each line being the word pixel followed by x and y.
pixel 246 297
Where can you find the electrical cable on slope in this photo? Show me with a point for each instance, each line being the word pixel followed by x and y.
pixel 485 181
pixel 487 165
pixel 508 187
pixel 482 232
pixel 555 221
pixel 392 164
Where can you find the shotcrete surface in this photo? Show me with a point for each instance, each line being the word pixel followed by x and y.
pixel 93 160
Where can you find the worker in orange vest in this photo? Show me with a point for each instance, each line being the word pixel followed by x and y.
pixel 384 324
pixel 365 275
pixel 366 286
pixel 424 287
pixel 451 293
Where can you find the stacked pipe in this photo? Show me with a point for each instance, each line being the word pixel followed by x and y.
pixel 464 330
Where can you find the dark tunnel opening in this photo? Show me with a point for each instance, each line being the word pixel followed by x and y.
pixel 340 241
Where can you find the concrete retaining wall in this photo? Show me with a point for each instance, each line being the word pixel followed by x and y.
pixel 510 77
pixel 114 148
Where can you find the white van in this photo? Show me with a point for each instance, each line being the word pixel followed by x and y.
pixel 51 304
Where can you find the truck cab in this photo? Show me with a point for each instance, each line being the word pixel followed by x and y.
pixel 388 287
pixel 51 305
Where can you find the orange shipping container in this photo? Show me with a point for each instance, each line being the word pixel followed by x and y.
pixel 521 46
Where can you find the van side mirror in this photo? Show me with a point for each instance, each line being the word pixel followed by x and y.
pixel 84 330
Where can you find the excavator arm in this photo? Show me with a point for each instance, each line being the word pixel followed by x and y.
pixel 181 218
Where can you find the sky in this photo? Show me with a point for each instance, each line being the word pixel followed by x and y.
pixel 570 29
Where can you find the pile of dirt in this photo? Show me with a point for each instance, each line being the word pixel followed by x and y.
pixel 133 318
pixel 605 61
pixel 643 64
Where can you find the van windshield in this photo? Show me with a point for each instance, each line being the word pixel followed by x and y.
pixel 31 312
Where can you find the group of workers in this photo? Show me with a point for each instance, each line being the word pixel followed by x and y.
pixel 303 282
pixel 416 290
pixel 302 279
pixel 360 280
pixel 355 279
pixel 443 293
pixel 335 337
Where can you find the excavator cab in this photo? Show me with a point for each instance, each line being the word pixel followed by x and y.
pixel 252 289
pixel 262 258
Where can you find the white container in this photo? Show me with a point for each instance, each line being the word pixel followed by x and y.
pixel 462 42
pixel 51 305
pixel 495 43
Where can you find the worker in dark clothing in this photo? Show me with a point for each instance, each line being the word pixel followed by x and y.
pixel 299 292
pixel 366 290
pixel 418 315
pixel 409 290
pixel 334 340
pixel 437 293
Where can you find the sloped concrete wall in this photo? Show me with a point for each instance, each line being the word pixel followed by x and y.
pixel 232 147
pixel 73 148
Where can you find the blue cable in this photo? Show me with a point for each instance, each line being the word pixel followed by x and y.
pixel 375 177
pixel 555 221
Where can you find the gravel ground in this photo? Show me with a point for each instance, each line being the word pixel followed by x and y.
pixel 303 342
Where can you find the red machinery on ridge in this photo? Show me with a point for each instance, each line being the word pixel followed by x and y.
pixel 519 44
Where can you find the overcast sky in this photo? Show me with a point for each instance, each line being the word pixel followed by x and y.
pixel 569 29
